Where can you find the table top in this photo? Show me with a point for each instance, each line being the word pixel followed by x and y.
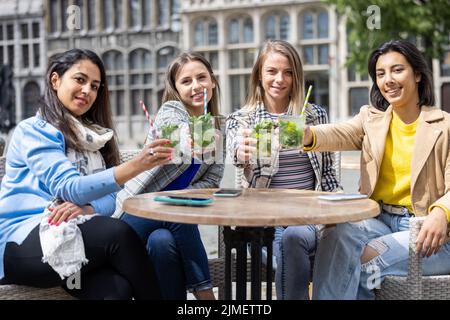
pixel 255 207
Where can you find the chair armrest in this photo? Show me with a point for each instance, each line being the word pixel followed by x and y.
pixel 126 155
pixel 414 278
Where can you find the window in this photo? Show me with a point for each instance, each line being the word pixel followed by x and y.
pixel 36 30
pixel 314 24
pixel 176 18
pixel 277 26
pixel 108 14
pixel 314 43
pixel 63 14
pixel 54 9
pixel 445 65
pixel 445 96
pixel 29 44
pixel 163 12
pixel 9 32
pixel 135 14
pixel 240 30
pixel 147 13
pixel 238 90
pixel 141 79
pixel 199 34
pixel 241 58
pixel 205 32
pixel 25 56
pixel 118 21
pixel 114 65
pixel 91 15
pixel 322 25
pixel 320 82
pixel 24 30
pixel 212 57
pixel 165 56
pixel 31 96
pixel 358 98
pixel 36 55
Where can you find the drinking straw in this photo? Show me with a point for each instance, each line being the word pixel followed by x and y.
pixel 205 101
pixel 149 119
pixel 306 99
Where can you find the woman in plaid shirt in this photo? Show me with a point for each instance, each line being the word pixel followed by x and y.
pixel 176 249
pixel 277 88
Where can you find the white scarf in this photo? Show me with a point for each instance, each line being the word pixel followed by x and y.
pixel 62 246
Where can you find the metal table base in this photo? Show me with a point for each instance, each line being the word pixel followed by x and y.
pixel 238 239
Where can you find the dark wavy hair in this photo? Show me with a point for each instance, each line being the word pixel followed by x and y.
pixel 418 64
pixel 53 111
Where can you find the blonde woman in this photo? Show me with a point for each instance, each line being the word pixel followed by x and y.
pixel 277 88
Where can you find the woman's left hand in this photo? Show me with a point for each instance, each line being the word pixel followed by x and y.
pixel 67 211
pixel 432 234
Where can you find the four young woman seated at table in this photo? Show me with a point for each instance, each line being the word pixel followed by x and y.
pixel 59 206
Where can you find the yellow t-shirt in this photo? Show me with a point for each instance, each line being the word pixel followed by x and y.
pixel 394 182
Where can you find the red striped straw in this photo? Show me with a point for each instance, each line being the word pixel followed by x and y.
pixel 147 115
pixel 149 119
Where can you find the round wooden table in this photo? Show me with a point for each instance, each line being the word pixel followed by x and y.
pixel 254 213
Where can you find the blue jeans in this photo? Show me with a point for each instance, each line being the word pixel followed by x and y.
pixel 338 272
pixel 177 253
pixel 294 262
pixel 293 255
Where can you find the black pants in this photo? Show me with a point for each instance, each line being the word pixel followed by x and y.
pixel 118 268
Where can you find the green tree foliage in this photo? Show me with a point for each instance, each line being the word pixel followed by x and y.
pixel 424 21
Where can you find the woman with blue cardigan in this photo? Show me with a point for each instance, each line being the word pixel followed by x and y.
pixel 62 166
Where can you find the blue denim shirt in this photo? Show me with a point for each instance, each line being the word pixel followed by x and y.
pixel 37 171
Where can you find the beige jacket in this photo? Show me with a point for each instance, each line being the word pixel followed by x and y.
pixel 367 131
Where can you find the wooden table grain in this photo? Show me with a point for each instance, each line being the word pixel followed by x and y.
pixel 255 207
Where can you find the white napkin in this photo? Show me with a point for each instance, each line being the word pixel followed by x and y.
pixel 63 246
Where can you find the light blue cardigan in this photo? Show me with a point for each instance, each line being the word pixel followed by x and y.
pixel 37 171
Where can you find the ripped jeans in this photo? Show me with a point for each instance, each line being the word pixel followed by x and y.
pixel 338 272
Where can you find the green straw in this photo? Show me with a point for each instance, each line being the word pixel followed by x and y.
pixel 306 99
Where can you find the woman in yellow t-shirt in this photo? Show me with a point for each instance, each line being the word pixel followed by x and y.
pixel 405 166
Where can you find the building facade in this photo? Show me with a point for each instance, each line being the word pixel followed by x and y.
pixel 137 39
pixel 22 46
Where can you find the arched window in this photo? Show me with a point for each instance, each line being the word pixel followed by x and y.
pixel 31 95
pixel 141 79
pixel 115 73
pixel 165 56
pixel 240 30
pixel 277 26
pixel 314 28
pixel 206 32
pixel 199 34
pixel 314 24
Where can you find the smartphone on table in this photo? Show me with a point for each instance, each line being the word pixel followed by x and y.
pixel 184 200
pixel 228 193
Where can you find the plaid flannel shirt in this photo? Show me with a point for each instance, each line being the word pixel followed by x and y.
pixel 258 176
pixel 156 179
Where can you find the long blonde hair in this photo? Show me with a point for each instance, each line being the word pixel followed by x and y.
pixel 170 91
pixel 256 91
